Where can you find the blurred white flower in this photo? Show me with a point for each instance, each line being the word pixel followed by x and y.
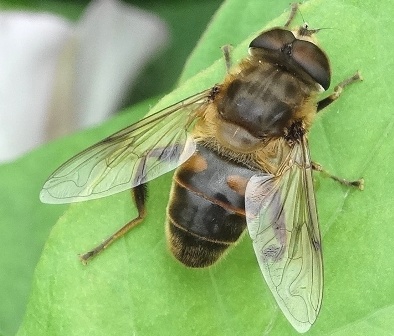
pixel 56 76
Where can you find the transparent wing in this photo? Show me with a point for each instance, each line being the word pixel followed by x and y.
pixel 132 156
pixel 282 222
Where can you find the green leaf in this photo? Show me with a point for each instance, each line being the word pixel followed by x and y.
pixel 136 287
pixel 25 222
pixel 69 9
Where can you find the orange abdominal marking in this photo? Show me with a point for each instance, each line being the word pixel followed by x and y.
pixel 196 164
pixel 237 183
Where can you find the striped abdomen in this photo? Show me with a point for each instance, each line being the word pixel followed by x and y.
pixel 206 211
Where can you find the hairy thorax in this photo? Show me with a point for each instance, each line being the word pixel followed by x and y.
pixel 253 111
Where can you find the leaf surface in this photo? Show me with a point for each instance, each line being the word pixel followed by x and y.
pixel 136 288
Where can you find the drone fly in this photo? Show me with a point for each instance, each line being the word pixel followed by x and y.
pixel 242 161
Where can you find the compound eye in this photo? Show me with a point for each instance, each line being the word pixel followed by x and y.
pixel 283 48
pixel 274 39
pixel 313 60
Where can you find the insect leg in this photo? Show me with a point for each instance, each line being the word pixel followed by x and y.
pixel 140 194
pixel 357 183
pixel 337 91
pixel 226 49
pixel 293 12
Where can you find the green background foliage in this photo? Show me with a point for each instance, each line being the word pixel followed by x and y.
pixel 137 288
